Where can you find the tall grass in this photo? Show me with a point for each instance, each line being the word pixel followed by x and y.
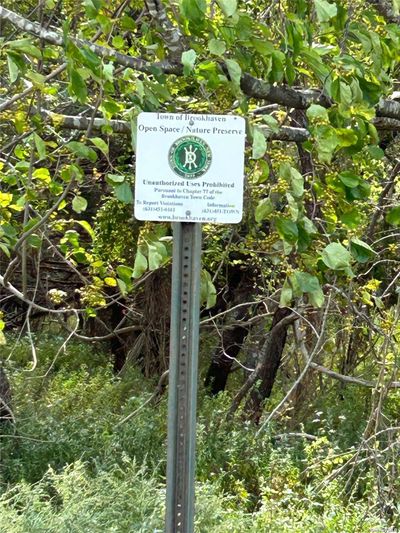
pixel 68 467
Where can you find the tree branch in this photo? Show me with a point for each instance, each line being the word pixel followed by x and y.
pixel 57 39
pixel 349 379
pixel 81 123
pixel 386 123
pixel 303 98
pixel 8 103
pixel 382 197
pixel 250 85
pixel 385 9
pixel 252 378
pixel 282 95
pixel 285 133
pixel 172 35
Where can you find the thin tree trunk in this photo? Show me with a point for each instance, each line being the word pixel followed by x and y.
pixel 271 360
pixel 228 349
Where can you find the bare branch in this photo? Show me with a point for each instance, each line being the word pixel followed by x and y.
pixel 107 337
pixel 255 374
pixel 318 346
pixel 8 103
pixel 283 436
pixel 286 133
pixel 82 123
pixel 350 379
pixel 46 216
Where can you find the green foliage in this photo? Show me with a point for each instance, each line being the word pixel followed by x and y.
pixel 69 462
pixel 346 57
pixel 336 257
pixel 120 499
pixel 317 215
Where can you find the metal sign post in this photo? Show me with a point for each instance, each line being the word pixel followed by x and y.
pixel 185 305
pixel 189 171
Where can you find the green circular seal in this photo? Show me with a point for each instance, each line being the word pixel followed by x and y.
pixel 190 157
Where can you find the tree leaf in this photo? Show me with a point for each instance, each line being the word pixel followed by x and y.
pixel 286 295
pixel 325 11
pixel 155 258
pixel 126 273
pixel 316 298
pixel 287 230
pixel 293 176
pixel 265 207
pixel 297 182
pixel 349 179
pixel 140 265
pixel 336 256
pixel 188 61
pixel 259 143
pixel 216 47
pixel 81 150
pixel 40 146
pixel 327 142
pixel 92 7
pixel 228 7
pixel 118 42
pixel 13 68
pixel 346 137
pixel 79 204
pixel 42 174
pixel 25 46
pixel 393 216
pixel 161 249
pixel 235 72
pixel 115 178
pixel 77 86
pixel 194 10
pixel 35 241
pixel 351 219
pixel 100 144
pixel 123 193
pixel 5 249
pixel 87 227
pixel 208 293
pixel 307 282
pixel 317 113
pixel 376 152
pixel 360 250
pixel 271 122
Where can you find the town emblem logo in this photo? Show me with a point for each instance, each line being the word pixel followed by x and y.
pixel 190 157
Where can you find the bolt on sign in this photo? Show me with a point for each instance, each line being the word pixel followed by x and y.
pixel 189 168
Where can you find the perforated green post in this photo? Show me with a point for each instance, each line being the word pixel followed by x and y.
pixel 184 346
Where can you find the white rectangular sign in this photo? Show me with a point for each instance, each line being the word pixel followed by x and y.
pixel 189 168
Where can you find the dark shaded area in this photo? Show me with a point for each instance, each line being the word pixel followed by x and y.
pixel 239 290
